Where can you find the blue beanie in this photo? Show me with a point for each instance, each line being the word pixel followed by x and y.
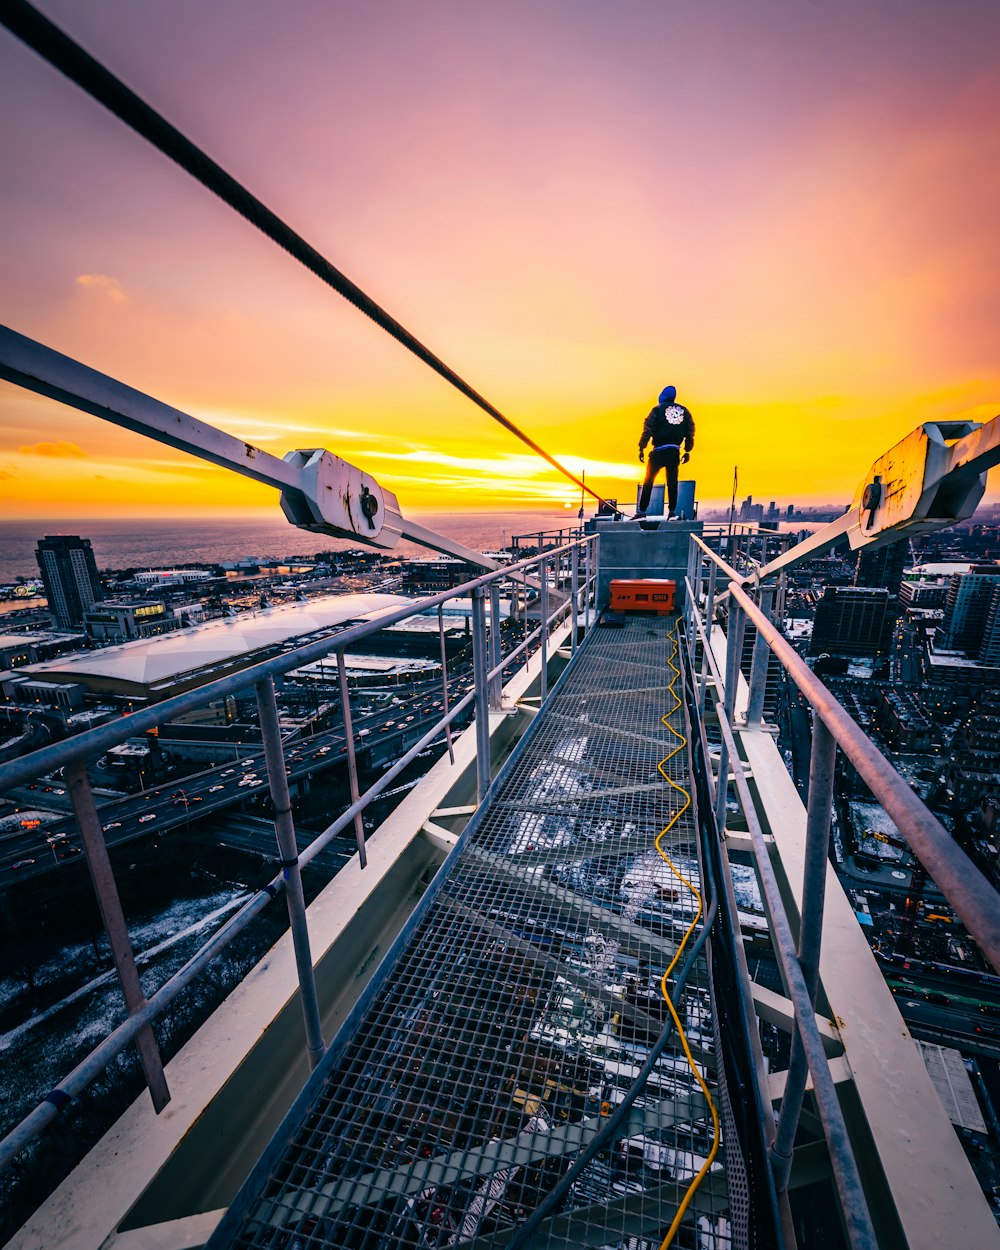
pixel 668 394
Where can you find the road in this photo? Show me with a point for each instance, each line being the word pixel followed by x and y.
pixel 32 853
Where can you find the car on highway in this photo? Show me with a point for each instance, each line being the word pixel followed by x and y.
pixel 228 772
pixel 214 789
pixel 23 863
pixel 113 824
pixel 148 816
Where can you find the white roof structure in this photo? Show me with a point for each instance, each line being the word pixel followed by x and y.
pixel 156 661
pixel 954 1086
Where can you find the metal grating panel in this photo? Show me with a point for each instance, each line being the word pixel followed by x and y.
pixel 521 1008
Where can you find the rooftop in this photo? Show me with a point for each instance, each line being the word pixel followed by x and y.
pixel 156 660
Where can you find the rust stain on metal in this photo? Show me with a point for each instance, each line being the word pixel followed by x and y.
pixel 249 451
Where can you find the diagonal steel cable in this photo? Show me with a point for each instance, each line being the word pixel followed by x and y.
pixel 63 53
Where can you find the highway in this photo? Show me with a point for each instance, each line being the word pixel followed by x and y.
pixel 34 852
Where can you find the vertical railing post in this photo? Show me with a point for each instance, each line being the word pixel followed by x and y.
pixel 92 835
pixel 692 579
pixel 543 613
pixel 444 681
pixel 352 759
pixel 587 576
pixel 495 642
pixel 574 591
pixel 284 829
pixel 734 648
pixel 479 670
pixel 759 665
pixel 713 569
pixel 822 764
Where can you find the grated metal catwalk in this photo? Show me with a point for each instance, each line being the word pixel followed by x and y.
pixel 523 1001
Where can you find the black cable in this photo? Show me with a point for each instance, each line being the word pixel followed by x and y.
pixel 60 51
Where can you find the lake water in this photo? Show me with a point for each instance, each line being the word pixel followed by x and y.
pixel 163 542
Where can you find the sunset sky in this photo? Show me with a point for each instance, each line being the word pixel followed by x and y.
pixel 787 208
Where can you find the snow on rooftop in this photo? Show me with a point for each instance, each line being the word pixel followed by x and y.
pixel 951 1079
pixel 869 819
pixel 152 660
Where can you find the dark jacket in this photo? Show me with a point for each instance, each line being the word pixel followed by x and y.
pixel 668 425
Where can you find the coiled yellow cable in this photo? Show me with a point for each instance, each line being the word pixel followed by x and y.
pixel 681 743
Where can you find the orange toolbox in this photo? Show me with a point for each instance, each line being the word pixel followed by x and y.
pixel 642 594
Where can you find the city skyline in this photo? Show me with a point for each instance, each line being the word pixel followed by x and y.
pixel 772 210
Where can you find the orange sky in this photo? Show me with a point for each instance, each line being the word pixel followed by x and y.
pixel 789 213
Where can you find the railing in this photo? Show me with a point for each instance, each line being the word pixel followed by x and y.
pixel 573 587
pixel 966 890
pixel 538 541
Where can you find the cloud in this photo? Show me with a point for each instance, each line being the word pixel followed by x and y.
pixel 59 451
pixel 5 476
pixel 104 283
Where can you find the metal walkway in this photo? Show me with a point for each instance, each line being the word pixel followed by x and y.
pixel 521 1001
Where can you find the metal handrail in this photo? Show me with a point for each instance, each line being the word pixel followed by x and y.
pixel 958 879
pixel 966 890
pixel 74 753
pixel 796 976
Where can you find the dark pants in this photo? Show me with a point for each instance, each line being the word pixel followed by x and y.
pixel 667 458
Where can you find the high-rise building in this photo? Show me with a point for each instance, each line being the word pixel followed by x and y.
pixel 989 648
pixel 882 567
pixel 967 605
pixel 69 574
pixel 852 620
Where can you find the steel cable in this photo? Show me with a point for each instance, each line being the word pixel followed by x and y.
pixel 64 54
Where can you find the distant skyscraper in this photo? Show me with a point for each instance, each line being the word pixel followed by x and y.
pixel 989 648
pixel 852 620
pixel 967 606
pixel 883 567
pixel 69 574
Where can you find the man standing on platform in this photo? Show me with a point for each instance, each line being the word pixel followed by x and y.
pixel 668 427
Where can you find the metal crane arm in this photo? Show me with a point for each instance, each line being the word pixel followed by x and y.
pixel 319 491
pixel 933 478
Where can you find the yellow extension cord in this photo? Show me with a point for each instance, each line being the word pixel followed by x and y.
pixel 681 743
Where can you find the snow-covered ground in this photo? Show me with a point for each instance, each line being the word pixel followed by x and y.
pixel 15 822
pixel 745 888
pixel 42 1043
pixel 867 819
